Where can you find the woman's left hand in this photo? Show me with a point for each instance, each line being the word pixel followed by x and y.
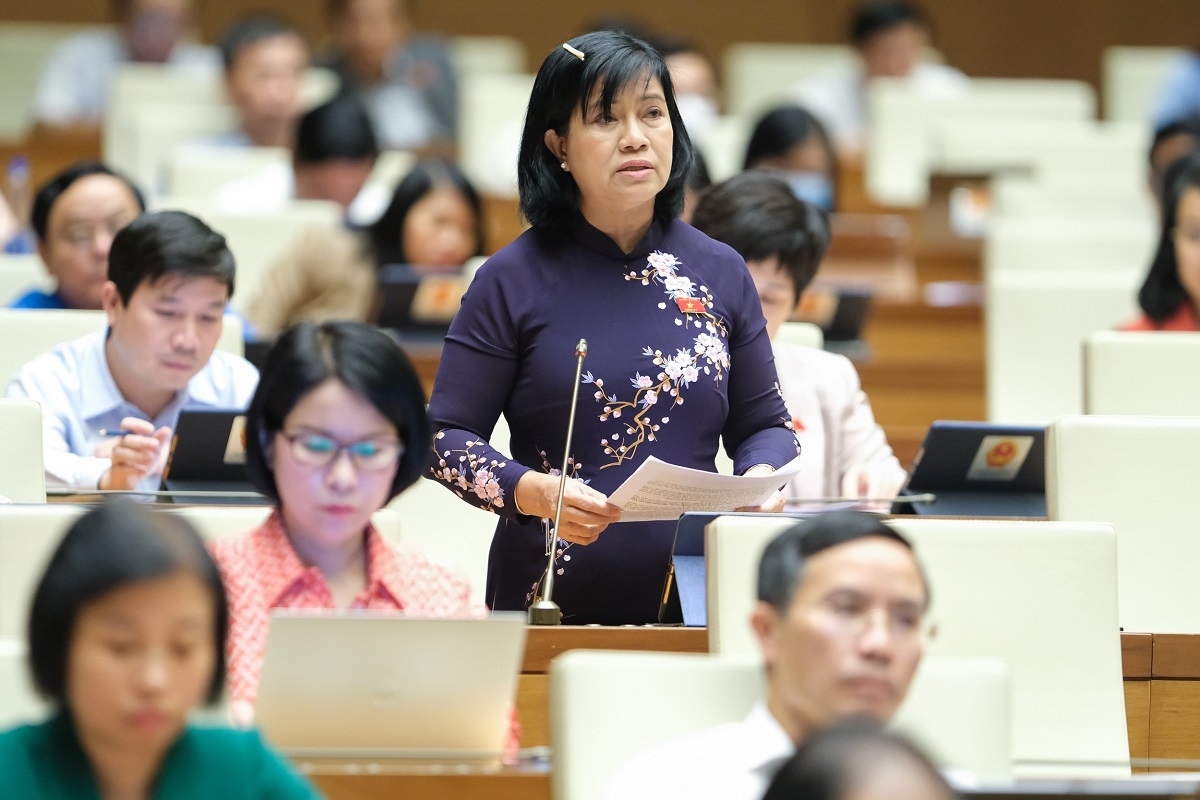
pixel 774 503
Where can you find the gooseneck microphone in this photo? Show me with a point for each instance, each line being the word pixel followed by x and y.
pixel 544 610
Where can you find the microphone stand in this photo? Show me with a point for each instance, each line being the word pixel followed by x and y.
pixel 545 611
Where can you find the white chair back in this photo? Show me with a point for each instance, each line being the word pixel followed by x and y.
pixel 203 171
pixel 972 146
pixel 491 111
pixel 900 152
pixel 1089 245
pixel 24 48
pixel 1132 79
pixel 759 75
pixel 607 706
pixel 257 238
pixel 805 334
pixel 1056 629
pixel 494 55
pixel 1035 326
pixel 22 473
pixel 19 274
pixel 1139 474
pixel 1072 195
pixel 723 145
pixel 1147 374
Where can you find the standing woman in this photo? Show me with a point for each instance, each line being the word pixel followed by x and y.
pixel 126 638
pixel 679 356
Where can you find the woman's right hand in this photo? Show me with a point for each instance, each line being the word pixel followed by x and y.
pixel 585 512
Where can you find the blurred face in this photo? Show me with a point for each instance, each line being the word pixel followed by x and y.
pixel 166 334
pixel 692 74
pixel 79 233
pixel 141 657
pixel 776 291
pixel 264 80
pixel 893 52
pixel 339 180
pixel 621 160
pixel 1187 242
pixel 153 27
pixel 334 462
pixel 369 30
pixel 851 639
pixel 439 230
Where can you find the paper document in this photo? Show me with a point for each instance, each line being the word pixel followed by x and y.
pixel 658 490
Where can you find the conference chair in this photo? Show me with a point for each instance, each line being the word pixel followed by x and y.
pixel 24 48
pixel 491 115
pixel 1152 373
pixel 1132 78
pixel 1138 474
pixel 805 334
pixel 203 171
pixel 20 273
pixel 487 54
pixel 1091 245
pixel 905 123
pixel 1072 195
pixel 19 702
pixel 606 706
pixel 256 237
pixel 22 473
pixel 27 334
pixel 1040 596
pixel 1035 323
pixel 758 75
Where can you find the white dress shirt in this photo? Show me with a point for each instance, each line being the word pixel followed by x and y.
pixel 734 761
pixel 75 82
pixel 80 398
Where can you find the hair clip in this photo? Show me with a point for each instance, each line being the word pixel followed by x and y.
pixel 577 53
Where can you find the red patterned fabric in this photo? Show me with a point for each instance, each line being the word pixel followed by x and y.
pixel 262 572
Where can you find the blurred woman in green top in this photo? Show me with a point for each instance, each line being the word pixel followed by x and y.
pixel 126 638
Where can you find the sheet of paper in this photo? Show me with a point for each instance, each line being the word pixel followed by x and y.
pixel 658 490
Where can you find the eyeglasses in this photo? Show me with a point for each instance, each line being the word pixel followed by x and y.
pixel 368 455
pixel 82 235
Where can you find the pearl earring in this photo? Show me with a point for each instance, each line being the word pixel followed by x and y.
pixel 564 166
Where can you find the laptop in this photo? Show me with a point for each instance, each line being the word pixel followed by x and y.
pixel 685 592
pixel 208 454
pixel 978 469
pixel 415 302
pixel 362 683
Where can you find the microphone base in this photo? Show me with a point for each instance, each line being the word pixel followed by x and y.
pixel 545 612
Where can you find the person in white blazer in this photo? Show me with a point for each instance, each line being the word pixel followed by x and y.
pixel 783 240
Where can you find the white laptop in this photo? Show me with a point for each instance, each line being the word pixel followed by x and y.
pixel 362 683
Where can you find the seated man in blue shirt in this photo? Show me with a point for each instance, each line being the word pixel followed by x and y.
pixel 110 400
pixel 75 215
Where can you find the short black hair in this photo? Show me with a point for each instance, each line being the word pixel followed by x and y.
pixel 877 16
pixel 164 243
pixel 784 127
pixel 1162 293
pixel 253 30
pixel 387 233
pixel 338 130
pixel 118 544
pixel 831 763
pixel 757 215
pixel 782 565
pixel 366 361
pixel 698 178
pixel 48 194
pixel 612 60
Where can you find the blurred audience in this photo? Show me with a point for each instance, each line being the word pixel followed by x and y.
pixel 406 80
pixel 74 87
pixel 859 760
pixel 890 37
pixel 1170 295
pixel 1171 142
pixel 435 219
pixel 110 400
pixel 75 216
pixel 794 146
pixel 698 180
pixel 695 79
pixel 126 638
pixel 335 152
pixel 264 59
pixel 783 241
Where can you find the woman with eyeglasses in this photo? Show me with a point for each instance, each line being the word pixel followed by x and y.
pixel 1170 296
pixel 336 429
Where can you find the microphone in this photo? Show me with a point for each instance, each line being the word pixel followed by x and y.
pixel 544 610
